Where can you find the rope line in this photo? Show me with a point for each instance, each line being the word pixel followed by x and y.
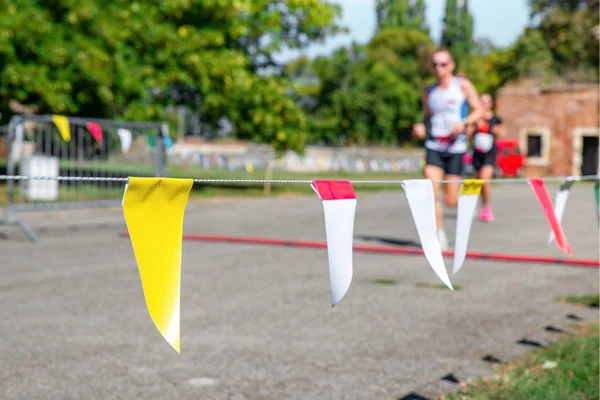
pixel 276 181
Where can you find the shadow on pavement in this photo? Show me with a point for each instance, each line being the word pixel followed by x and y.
pixel 391 241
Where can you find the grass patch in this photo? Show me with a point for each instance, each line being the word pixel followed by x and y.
pixel 436 286
pixel 383 281
pixel 567 369
pixel 590 300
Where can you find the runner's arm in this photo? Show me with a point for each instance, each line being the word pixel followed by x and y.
pixel 420 128
pixel 425 103
pixel 474 103
pixel 470 130
pixel 498 128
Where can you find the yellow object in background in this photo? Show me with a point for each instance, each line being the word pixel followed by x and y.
pixel 154 209
pixel 62 123
pixel 321 162
pixel 471 186
pixel 249 167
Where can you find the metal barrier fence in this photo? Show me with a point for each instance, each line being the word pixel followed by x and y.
pixel 46 145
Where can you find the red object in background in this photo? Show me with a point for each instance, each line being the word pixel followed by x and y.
pixel 468 158
pixel 508 159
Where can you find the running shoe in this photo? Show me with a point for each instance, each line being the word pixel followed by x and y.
pixel 486 214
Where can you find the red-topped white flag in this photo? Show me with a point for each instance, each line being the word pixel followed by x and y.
pixel 339 205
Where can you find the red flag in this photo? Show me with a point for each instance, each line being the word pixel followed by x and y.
pixel 541 193
pixel 95 130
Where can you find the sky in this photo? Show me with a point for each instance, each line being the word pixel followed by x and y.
pixel 501 21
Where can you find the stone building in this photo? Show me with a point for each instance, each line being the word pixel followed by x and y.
pixel 557 127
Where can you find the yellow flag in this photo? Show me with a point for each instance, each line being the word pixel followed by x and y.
pixel 62 123
pixel 471 186
pixel 153 209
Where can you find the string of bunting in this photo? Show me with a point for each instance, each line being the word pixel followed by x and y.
pixel 299 181
pixel 154 209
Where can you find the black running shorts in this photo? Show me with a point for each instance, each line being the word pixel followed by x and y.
pixel 451 163
pixel 481 159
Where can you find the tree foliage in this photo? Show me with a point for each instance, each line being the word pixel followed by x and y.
pixel 561 45
pixel 125 58
pixel 366 94
pixel 457 32
pixel 131 58
pixel 277 24
pixel 541 7
pixel 401 14
pixel 570 31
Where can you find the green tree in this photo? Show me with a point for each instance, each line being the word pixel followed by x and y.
pixel 489 71
pixel 570 29
pixel 417 14
pixel 272 25
pixel 365 95
pixel 457 33
pixel 540 7
pixel 530 57
pixel 451 27
pixel 128 59
pixel 467 21
pixel 561 44
pixel 322 88
pixel 401 13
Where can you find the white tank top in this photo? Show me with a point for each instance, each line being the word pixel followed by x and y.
pixel 448 107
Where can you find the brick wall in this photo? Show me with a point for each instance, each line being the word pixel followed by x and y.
pixel 556 113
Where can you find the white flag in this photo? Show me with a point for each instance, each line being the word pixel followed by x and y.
pixel 467 202
pixel 421 200
pixel 339 205
pixel 125 138
pixel 561 201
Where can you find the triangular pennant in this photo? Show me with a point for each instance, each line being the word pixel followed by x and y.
pixel 541 193
pixel 62 123
pixel 154 209
pixel 339 205
pixel 421 200
pixel 561 201
pixel 125 138
pixel 95 130
pixel 467 202
pixel 151 141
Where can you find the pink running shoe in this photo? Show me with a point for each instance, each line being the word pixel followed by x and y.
pixel 486 214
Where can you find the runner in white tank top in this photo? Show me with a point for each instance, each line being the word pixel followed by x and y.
pixel 446 105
